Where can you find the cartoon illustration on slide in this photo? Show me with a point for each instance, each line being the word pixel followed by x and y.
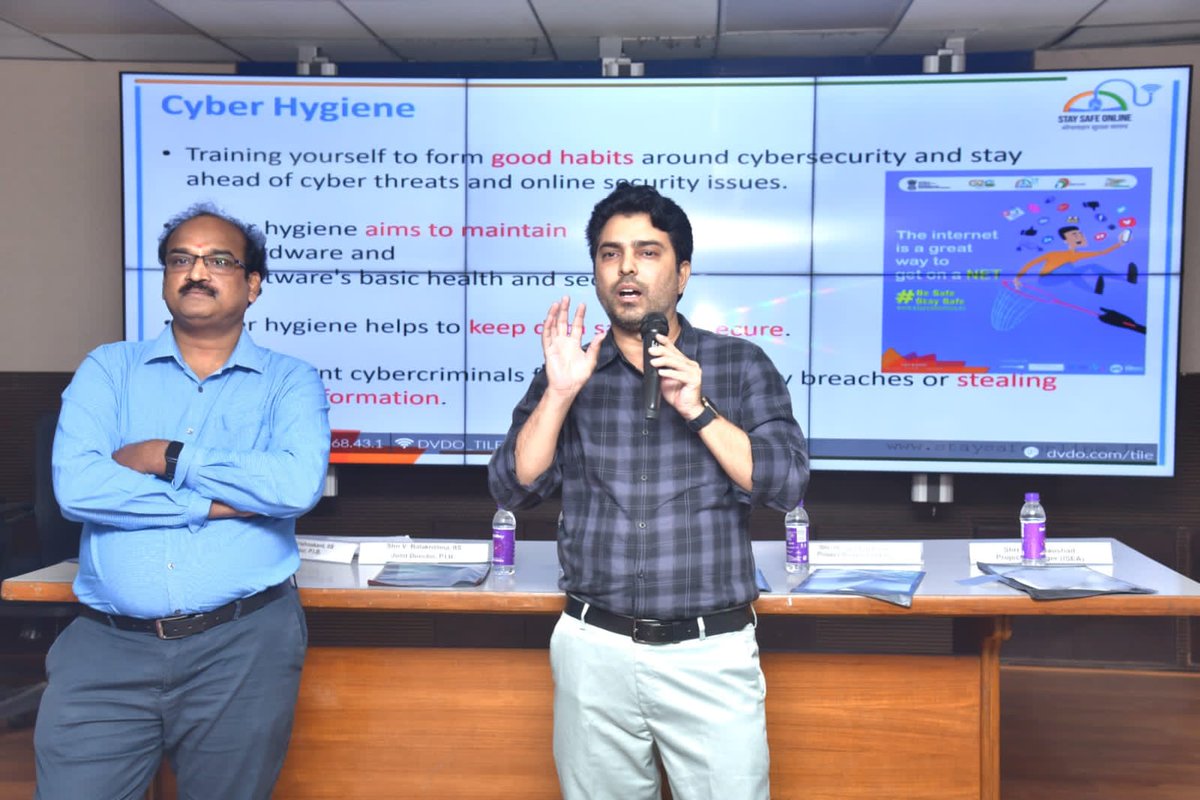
pixel 1057 266
pixel 1061 267
pixel 1035 271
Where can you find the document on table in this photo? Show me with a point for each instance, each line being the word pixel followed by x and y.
pixel 1060 581
pixel 411 574
pixel 896 586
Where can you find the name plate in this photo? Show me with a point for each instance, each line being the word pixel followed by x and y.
pixel 425 552
pixel 321 548
pixel 1058 552
pixel 866 553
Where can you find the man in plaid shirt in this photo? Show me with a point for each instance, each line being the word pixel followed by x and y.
pixel 656 652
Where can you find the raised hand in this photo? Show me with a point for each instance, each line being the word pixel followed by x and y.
pixel 568 365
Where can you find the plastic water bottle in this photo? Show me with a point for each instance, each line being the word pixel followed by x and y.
pixel 796 523
pixel 1033 530
pixel 504 533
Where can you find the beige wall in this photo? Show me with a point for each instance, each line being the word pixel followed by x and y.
pixel 60 219
pixel 60 209
pixel 1180 55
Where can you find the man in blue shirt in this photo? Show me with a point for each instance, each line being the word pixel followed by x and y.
pixel 188 458
pixel 655 656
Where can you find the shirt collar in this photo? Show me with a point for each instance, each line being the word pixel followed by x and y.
pixel 246 354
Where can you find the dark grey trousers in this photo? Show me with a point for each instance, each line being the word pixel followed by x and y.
pixel 219 705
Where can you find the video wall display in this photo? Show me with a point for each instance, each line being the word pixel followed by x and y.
pixel 954 273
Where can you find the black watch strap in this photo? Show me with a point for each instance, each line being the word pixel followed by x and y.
pixel 706 416
pixel 173 449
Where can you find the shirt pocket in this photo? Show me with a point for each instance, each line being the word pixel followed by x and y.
pixel 244 422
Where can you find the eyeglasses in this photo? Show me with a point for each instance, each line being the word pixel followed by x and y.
pixel 218 263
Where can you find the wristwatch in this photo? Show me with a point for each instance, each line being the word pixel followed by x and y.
pixel 173 449
pixel 706 416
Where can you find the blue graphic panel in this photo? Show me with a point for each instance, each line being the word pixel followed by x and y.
pixel 1029 272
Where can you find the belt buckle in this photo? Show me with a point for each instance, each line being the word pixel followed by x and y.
pixel 158 626
pixel 645 627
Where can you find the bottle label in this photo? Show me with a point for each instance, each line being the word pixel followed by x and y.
pixel 1033 540
pixel 503 546
pixel 797 544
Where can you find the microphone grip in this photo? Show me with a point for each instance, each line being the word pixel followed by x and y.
pixel 651 391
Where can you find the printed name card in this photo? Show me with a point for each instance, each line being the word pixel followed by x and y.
pixel 425 552
pixel 322 548
pixel 1059 552
pixel 865 553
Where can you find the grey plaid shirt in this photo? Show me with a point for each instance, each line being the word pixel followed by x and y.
pixel 652 527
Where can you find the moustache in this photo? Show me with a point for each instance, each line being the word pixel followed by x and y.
pixel 201 285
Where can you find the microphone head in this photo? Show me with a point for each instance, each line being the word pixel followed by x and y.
pixel 653 323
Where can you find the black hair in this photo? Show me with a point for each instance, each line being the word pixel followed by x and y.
pixel 255 259
pixel 665 214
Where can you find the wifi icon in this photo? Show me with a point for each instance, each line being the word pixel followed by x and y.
pixel 403 442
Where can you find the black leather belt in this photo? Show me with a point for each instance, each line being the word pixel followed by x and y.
pixel 190 624
pixel 660 631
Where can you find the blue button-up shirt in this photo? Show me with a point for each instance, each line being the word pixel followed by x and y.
pixel 652 525
pixel 255 436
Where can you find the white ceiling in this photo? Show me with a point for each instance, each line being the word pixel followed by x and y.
pixel 570 30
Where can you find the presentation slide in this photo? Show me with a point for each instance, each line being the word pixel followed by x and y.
pixel 954 273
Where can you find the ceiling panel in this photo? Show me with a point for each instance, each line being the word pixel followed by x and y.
pixel 774 16
pixel 924 42
pixel 276 18
pixel 115 47
pixel 640 48
pixel 801 45
pixel 16 43
pixel 631 18
pixel 1001 14
pixel 577 48
pixel 530 49
pixel 447 19
pixel 1107 35
pixel 288 49
pixel 927 42
pixel 1143 12
pixel 666 48
pixel 92 16
pixel 998 40
pixel 570 30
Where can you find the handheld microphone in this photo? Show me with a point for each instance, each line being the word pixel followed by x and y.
pixel 652 324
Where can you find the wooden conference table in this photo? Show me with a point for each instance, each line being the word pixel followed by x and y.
pixel 466 717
